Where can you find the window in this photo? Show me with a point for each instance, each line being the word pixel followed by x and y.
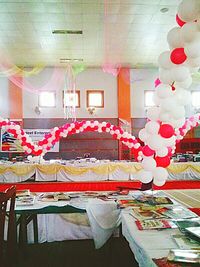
pixel 47 99
pixel 149 99
pixel 196 99
pixel 70 99
pixel 95 98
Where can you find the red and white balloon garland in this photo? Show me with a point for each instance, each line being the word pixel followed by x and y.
pixel 44 145
pixel 167 124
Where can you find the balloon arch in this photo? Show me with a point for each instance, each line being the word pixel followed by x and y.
pixel 154 160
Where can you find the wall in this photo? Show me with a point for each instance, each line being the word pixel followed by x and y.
pixel 4 101
pixel 89 79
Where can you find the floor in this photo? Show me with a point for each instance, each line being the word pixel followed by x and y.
pixel 188 197
pixel 115 253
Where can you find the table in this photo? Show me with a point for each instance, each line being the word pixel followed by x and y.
pixel 147 245
pixel 28 215
pixel 98 171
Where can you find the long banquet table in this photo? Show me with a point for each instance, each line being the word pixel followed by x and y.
pixel 87 171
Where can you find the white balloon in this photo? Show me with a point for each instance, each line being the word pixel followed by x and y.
pixel 162 152
pixel 164 91
pixel 189 32
pixel 180 74
pixel 174 38
pixel 156 100
pixel 17 127
pixel 29 158
pixel 192 49
pixel 143 135
pixel 164 116
pixel 178 112
pixel 28 150
pixel 168 104
pixel 188 10
pixel 159 182
pixel 160 174
pixel 145 176
pixel 164 60
pixel 149 164
pixel 193 62
pixel 177 123
pixel 152 127
pixel 170 141
pixel 185 84
pixel 165 76
pixel 153 113
pixel 183 96
pixel 155 142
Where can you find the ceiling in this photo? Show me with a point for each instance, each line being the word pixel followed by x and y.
pixel 126 32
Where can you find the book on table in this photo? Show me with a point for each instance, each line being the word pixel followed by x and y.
pixel 154 224
pixel 25 200
pixel 178 212
pixel 53 197
pixel 131 202
pixel 183 224
pixel 184 255
pixel 194 232
pixel 24 192
pixel 146 213
pixel 185 242
pixel 152 200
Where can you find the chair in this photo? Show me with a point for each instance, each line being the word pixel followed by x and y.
pixel 7 209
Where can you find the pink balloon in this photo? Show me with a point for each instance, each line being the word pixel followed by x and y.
pixel 166 130
pixel 178 56
pixel 179 21
pixel 157 82
pixel 162 161
pixel 147 151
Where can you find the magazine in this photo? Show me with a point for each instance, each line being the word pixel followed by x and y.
pixel 194 231
pixel 184 255
pixel 183 224
pixel 154 224
pixel 178 212
pixel 185 242
pixel 25 192
pixel 124 203
pixel 151 200
pixel 142 213
pixel 25 201
pixel 53 197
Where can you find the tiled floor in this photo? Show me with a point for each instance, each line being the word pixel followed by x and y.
pixel 188 197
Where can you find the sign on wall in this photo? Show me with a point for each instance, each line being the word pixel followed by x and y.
pixel 11 144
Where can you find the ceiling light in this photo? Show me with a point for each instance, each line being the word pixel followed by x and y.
pixel 63 60
pixel 67 32
pixel 164 10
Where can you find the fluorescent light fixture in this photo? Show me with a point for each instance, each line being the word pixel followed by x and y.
pixel 63 60
pixel 67 32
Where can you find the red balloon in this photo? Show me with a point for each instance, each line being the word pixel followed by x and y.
pixel 178 56
pixel 147 151
pixel 166 130
pixel 179 21
pixel 162 161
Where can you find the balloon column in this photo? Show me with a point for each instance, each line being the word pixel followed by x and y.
pixel 167 124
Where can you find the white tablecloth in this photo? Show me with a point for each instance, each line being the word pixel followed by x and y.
pixel 101 171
